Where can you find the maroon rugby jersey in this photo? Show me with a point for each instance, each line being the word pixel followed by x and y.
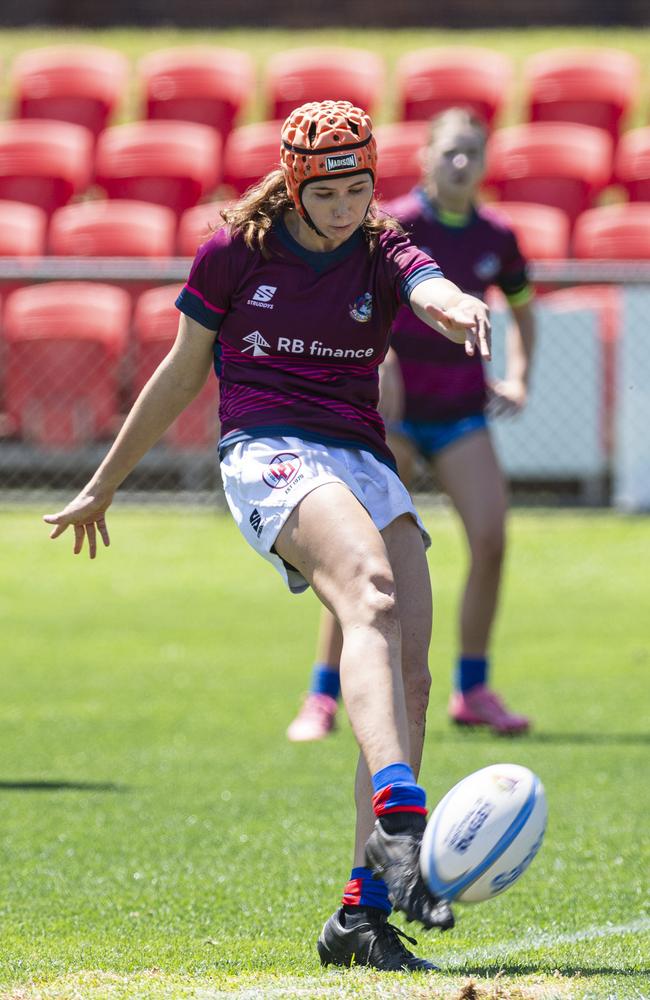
pixel 300 334
pixel 441 381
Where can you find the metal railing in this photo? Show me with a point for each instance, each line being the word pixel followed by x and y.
pixel 582 438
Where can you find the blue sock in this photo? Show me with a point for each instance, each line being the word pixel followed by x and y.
pixel 470 671
pixel 364 890
pixel 396 791
pixel 325 680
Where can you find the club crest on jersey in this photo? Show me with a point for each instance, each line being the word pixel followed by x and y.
pixel 341 161
pixel 256 343
pixel 487 266
pixel 282 470
pixel 361 310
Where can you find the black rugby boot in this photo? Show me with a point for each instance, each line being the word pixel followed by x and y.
pixel 366 938
pixel 395 857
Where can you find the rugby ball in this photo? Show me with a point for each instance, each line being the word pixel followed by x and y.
pixel 484 834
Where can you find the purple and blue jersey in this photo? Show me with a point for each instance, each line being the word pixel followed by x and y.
pixel 300 334
pixel 441 382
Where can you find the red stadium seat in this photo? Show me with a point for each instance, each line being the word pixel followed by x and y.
pixel 399 167
pixel 64 342
pixel 165 162
pixel 542 232
pixel 82 84
pixel 113 228
pixel 632 163
pixel 551 163
pixel 203 84
pixel 155 323
pixel 320 74
pixel 44 163
pixel 614 232
pixel 251 152
pixel 431 80
pixel 22 234
pixel 197 225
pixel 588 86
pixel 22 229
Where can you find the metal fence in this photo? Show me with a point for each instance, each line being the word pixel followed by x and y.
pixel 583 438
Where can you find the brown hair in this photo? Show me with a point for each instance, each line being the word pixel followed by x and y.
pixel 253 215
pixel 459 118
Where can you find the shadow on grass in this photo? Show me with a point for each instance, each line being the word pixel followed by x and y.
pixel 588 739
pixel 530 968
pixel 61 786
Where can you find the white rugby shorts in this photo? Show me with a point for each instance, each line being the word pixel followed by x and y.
pixel 265 478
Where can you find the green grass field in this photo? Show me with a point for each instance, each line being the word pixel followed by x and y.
pixel 150 845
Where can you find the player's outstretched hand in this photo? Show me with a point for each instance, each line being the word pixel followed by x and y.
pixel 506 397
pixel 86 515
pixel 467 322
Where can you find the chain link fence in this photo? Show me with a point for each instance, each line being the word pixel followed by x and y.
pixel 79 337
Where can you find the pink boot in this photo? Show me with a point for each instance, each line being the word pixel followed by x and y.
pixel 481 707
pixel 314 720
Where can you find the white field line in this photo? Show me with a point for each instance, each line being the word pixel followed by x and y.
pixel 451 963
pixel 550 940
pixel 284 992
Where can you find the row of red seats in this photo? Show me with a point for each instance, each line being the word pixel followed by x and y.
pixel 105 228
pixel 178 164
pixel 70 367
pixel 122 228
pixel 211 85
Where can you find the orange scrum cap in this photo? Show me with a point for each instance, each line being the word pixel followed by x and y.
pixel 325 139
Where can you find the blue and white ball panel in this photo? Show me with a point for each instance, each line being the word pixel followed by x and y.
pixel 484 833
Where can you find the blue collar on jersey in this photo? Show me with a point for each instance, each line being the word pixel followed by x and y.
pixel 320 260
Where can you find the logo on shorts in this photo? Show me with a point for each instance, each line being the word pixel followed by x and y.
pixel 361 309
pixel 256 522
pixel 487 266
pixel 282 470
pixel 255 343
pixel 342 161
pixel 262 296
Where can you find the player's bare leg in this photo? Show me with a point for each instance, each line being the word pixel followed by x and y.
pixel 317 715
pixel 405 454
pixel 360 930
pixel 402 849
pixel 406 551
pixel 332 541
pixel 469 473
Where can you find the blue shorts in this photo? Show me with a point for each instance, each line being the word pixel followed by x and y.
pixel 432 436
